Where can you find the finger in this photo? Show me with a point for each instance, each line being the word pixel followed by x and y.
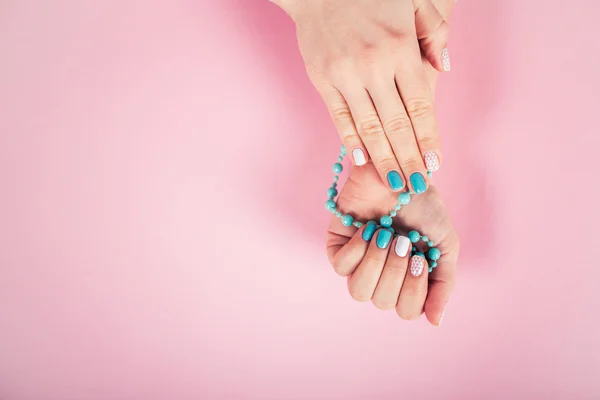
pixel 414 290
pixel 363 281
pixel 373 136
pixel 344 123
pixel 388 289
pixel 441 283
pixel 400 134
pixel 432 32
pixel 345 258
pixel 418 100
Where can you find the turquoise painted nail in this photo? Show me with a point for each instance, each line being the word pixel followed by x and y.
pixel 418 182
pixel 383 238
pixel 369 231
pixel 395 180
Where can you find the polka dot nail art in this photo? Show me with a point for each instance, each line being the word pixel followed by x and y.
pixel 432 162
pixel 417 263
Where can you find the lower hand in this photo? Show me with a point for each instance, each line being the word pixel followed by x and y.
pixel 388 276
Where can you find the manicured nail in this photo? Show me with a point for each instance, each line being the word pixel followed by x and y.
pixel 432 162
pixel 445 60
pixel 418 183
pixel 402 246
pixel 395 180
pixel 383 238
pixel 369 231
pixel 417 263
pixel 359 157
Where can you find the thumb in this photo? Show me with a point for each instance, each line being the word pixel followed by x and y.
pixel 432 32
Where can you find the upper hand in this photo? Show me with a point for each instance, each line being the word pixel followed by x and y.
pixel 364 58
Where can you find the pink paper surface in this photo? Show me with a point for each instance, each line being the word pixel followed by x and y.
pixel 163 168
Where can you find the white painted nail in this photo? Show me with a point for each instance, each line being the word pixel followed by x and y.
pixel 416 265
pixel 432 162
pixel 402 246
pixel 445 60
pixel 359 157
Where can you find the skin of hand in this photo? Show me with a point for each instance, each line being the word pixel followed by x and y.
pixel 380 275
pixel 364 58
pixel 388 276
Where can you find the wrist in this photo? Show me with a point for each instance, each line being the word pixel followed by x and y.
pixel 292 7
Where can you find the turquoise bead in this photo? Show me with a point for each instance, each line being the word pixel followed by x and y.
pixel 332 192
pixel 391 229
pixel 330 205
pixel 383 238
pixel 337 168
pixel 340 158
pixel 343 150
pixel 404 198
pixel 369 231
pixel 430 270
pixel 386 221
pixel 393 214
pixel 347 220
pixel 429 174
pixel 398 206
pixel 433 264
pixel 434 254
pixel 358 224
pixel 338 214
pixel 418 253
pixel 418 183
pixel 414 236
pixel 335 179
pixel 425 238
pixel 334 185
pixel 430 243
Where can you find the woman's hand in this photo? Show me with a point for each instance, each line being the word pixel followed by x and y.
pixel 380 269
pixel 364 58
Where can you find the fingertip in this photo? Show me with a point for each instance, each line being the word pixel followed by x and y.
pixel 437 299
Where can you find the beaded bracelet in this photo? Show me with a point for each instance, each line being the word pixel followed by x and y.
pixel 432 255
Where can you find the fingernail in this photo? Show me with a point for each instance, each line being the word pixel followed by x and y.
pixel 418 183
pixel 445 60
pixel 416 265
pixel 441 317
pixel 359 157
pixel 432 162
pixel 395 180
pixel 369 231
pixel 402 246
pixel 383 238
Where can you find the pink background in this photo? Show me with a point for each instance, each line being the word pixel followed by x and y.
pixel 162 177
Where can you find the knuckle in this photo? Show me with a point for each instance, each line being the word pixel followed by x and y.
pixel 398 124
pixel 428 142
pixel 420 109
pixel 412 163
pixel 395 270
pixel 385 163
pixel 371 127
pixel 341 113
